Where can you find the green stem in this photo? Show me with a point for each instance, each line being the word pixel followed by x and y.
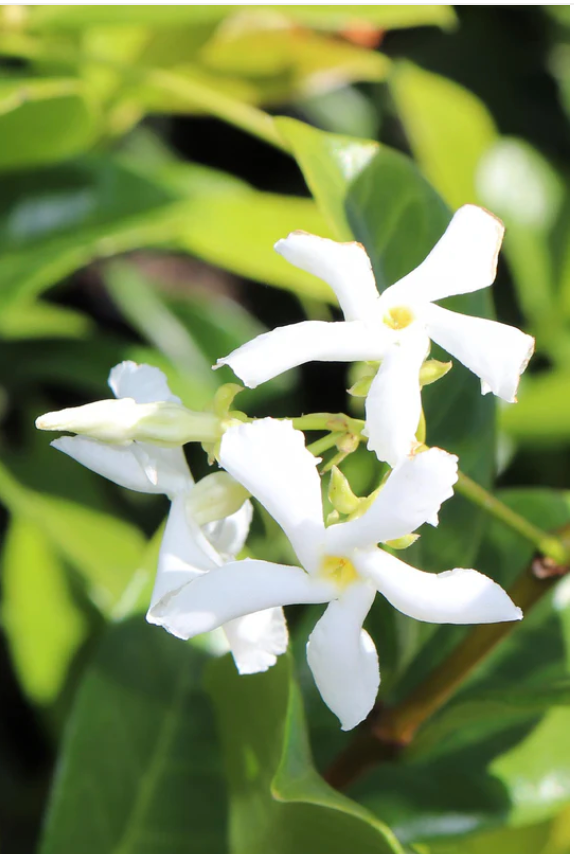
pixel 323 444
pixel 336 422
pixel 547 544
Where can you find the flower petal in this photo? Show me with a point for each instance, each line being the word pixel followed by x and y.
pixel 115 462
pixel 257 639
pixel 283 348
pixel 411 496
pixel 234 590
pixel 138 466
pixel 344 266
pixel 460 596
pixel 343 658
pixel 393 404
pixel 143 383
pixel 269 459
pixel 185 553
pixel 495 352
pixel 463 260
pixel 227 536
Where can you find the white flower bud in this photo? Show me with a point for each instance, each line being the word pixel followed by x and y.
pixel 215 497
pixel 122 421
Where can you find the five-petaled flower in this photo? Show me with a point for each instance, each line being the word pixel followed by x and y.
pixel 342 564
pixel 394 328
pixel 207 525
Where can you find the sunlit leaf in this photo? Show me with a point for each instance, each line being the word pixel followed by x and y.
pixel 448 128
pixel 43 624
pixel 104 549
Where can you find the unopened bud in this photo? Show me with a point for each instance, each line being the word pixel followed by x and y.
pixel 122 421
pixel 402 542
pixel 341 495
pixel 433 370
pixel 215 497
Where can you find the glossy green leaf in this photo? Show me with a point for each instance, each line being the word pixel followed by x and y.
pixel 448 127
pixel 140 761
pixel 278 801
pixel 43 121
pixel 105 550
pixel 43 625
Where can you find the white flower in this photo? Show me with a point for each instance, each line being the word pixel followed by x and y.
pixel 395 327
pixel 341 564
pixel 207 524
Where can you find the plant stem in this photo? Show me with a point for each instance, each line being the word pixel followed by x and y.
pixel 323 444
pixel 390 730
pixel 548 544
pixel 336 422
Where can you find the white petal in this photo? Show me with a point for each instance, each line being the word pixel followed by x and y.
pixel 393 404
pixel 283 348
pixel 270 460
pixel 412 495
pixel 344 266
pixel 184 554
pixel 257 639
pixel 234 590
pixel 461 596
pixel 166 468
pixel 464 260
pixel 143 383
pixel 495 352
pixel 117 463
pixel 228 536
pixel 343 658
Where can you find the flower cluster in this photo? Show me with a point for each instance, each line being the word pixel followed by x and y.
pixel 201 585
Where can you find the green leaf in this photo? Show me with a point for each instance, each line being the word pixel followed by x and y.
pixel 278 801
pixel 105 550
pixel 448 127
pixel 140 761
pixel 59 220
pixel 43 121
pixel 43 625
pixel 44 320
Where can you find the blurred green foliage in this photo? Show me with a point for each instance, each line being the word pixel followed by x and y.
pixel 119 242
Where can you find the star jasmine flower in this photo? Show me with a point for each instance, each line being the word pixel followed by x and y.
pixel 340 565
pixel 207 525
pixel 394 328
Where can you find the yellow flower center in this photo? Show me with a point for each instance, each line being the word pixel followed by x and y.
pixel 399 317
pixel 340 570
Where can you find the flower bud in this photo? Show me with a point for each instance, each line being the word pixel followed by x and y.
pixel 122 421
pixel 341 495
pixel 215 497
pixel 433 370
